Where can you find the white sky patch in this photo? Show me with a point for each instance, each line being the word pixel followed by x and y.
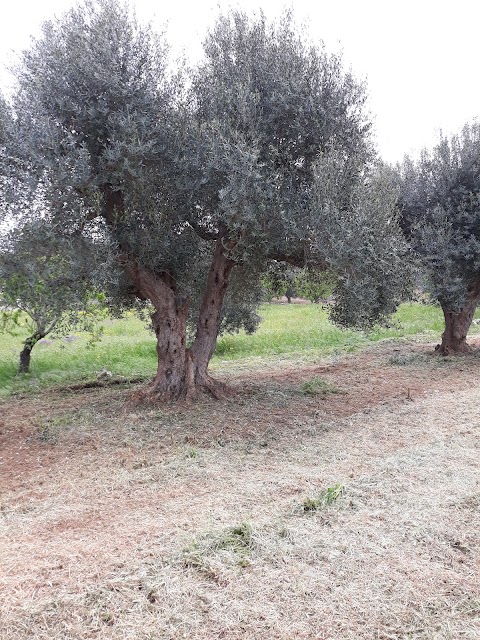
pixel 420 58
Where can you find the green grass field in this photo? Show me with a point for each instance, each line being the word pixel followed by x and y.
pixel 128 347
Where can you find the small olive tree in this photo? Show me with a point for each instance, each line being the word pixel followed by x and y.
pixel 279 281
pixel 309 283
pixel 45 285
pixel 316 286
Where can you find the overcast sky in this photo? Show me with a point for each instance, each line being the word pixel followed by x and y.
pixel 420 58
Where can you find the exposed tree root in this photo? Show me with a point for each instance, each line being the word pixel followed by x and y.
pixel 156 394
pixel 462 349
pixel 109 382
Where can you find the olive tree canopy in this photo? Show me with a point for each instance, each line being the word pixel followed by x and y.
pixel 440 202
pixel 264 153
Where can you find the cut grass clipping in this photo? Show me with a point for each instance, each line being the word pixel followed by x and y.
pixel 319 387
pixel 416 359
pixel 232 545
pixel 326 498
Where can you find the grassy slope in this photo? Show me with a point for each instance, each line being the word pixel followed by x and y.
pixel 128 348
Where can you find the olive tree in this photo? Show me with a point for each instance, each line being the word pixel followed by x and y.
pixel 280 280
pixel 281 167
pixel 199 184
pixel 440 202
pixel 45 285
pixel 98 130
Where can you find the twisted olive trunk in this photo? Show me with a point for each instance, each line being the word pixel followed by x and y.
pixel 208 322
pixel 182 372
pixel 26 352
pixel 457 325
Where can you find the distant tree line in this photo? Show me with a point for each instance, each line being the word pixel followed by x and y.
pixel 283 280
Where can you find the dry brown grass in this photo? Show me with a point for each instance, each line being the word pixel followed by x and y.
pixel 189 523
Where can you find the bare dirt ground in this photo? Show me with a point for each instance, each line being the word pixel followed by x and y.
pixel 212 520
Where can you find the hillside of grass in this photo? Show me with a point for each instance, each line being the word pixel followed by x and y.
pixel 128 347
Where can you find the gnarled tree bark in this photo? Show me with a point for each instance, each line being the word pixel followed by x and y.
pixel 26 352
pixel 208 322
pixel 181 372
pixel 457 325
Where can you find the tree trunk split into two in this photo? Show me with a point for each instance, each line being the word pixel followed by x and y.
pixel 457 325
pixel 182 372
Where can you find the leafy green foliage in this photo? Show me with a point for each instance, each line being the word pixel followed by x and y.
pixel 440 200
pixel 362 243
pixel 315 285
pixel 264 151
pixel 45 286
pixel 284 280
pixel 287 167
pixel 269 102
pixel 5 127
pixel 326 498
pixel 4 119
pixel 279 280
